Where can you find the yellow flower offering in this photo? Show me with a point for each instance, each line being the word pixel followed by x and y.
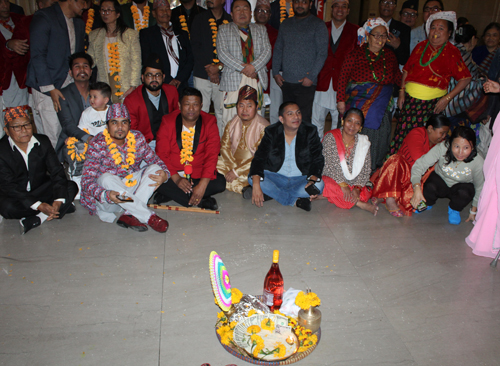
pixel 253 329
pixel 280 350
pixel 305 301
pixel 251 312
pixel 267 324
pixel 236 295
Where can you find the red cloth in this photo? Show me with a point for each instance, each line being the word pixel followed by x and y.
pixel 438 74
pixel 139 118
pixel 393 179
pixel 334 193
pixel 11 62
pixel 273 36
pixel 333 63
pixel 357 68
pixel 207 150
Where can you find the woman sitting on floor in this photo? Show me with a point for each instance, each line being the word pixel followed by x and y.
pixel 458 174
pixel 392 182
pixel 348 164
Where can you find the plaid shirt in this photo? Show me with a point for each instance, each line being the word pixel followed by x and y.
pixel 98 161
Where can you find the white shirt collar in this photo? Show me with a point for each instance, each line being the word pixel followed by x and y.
pixel 31 144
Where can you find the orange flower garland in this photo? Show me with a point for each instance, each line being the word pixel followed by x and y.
pixel 283 10
pixel 213 27
pixel 70 144
pixel 90 21
pixel 117 156
pixel 114 66
pixel 184 26
pixel 145 17
pixel 187 146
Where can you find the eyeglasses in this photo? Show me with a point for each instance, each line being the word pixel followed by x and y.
pixel 153 76
pixel 265 11
pixel 389 3
pixel 435 9
pixel 18 128
pixel 411 15
pixel 107 11
pixel 379 36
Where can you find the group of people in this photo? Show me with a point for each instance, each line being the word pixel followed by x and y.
pixel 121 95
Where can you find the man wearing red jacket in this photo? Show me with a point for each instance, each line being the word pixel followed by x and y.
pixel 151 101
pixel 342 40
pixel 13 91
pixel 190 133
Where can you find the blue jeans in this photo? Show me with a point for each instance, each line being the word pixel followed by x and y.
pixel 285 190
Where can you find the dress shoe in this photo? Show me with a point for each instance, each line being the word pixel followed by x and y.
pixel 129 221
pixel 247 192
pixel 157 223
pixel 66 209
pixel 304 203
pixel 29 223
pixel 209 203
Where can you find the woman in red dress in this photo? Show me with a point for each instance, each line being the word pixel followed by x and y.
pixel 392 182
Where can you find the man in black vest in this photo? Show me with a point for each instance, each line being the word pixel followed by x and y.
pixel 152 100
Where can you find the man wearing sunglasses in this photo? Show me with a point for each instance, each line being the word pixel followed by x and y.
pixel 33 186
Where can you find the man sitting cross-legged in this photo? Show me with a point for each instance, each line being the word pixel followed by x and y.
pixel 112 179
pixel 33 186
pixel 289 160
pixel 202 135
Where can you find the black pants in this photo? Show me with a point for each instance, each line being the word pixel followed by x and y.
pixel 459 194
pixel 170 191
pixel 302 95
pixel 11 208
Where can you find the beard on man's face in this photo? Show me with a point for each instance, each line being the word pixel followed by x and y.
pixel 153 86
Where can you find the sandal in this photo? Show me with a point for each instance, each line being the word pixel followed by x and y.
pixel 395 213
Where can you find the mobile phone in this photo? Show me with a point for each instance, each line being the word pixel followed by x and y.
pixel 422 206
pixel 396 33
pixel 312 190
pixel 125 198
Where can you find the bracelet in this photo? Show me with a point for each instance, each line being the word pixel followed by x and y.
pixel 448 98
pixel 472 212
pixel 417 184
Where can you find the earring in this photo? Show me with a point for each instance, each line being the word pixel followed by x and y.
pixel 360 129
pixel 342 122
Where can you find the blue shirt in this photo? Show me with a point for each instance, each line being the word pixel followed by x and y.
pixel 289 167
pixel 155 100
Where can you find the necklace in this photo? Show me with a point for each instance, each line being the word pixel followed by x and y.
pixel 433 58
pixel 372 61
pixel 117 156
pixel 114 66
pixel 145 17
pixel 184 26
pixel 90 21
pixel 283 11
pixel 213 27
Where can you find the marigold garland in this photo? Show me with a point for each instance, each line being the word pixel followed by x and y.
pixel 283 11
pixel 187 146
pixel 214 28
pixel 70 144
pixel 305 301
pixel 145 17
pixel 90 21
pixel 114 66
pixel 184 26
pixel 117 156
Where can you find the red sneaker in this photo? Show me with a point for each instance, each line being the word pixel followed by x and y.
pixel 157 223
pixel 129 221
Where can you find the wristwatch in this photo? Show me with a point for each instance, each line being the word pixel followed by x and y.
pixel 220 66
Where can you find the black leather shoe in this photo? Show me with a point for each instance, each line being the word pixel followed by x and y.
pixel 247 192
pixel 304 203
pixel 159 198
pixel 209 203
pixel 29 223
pixel 66 209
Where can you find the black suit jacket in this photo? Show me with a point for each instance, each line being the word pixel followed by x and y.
pixel 43 167
pixel 403 51
pixel 270 154
pixel 69 117
pixel 14 8
pixel 50 47
pixel 152 42
pixel 180 10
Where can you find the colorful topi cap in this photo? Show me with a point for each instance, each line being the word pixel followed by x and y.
pixel 247 93
pixel 117 110
pixel 14 113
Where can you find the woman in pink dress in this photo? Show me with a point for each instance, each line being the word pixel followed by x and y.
pixel 484 238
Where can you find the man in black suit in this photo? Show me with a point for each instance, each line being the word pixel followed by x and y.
pixel 76 100
pixel 399 33
pixel 289 160
pixel 189 9
pixel 56 33
pixel 172 45
pixel 33 186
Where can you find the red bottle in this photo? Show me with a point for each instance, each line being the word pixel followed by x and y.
pixel 273 284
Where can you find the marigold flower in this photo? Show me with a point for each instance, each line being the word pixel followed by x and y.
pixel 267 324
pixel 252 312
pixel 253 329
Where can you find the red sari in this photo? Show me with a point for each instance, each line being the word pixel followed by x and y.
pixel 393 179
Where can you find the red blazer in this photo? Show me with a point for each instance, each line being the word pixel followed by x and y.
pixel 205 150
pixel 139 117
pixel 11 62
pixel 273 36
pixel 333 63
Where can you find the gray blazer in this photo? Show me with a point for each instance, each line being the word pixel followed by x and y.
pixel 230 54
pixel 69 117
pixel 50 48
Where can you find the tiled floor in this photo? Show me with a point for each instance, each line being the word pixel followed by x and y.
pixel 394 291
